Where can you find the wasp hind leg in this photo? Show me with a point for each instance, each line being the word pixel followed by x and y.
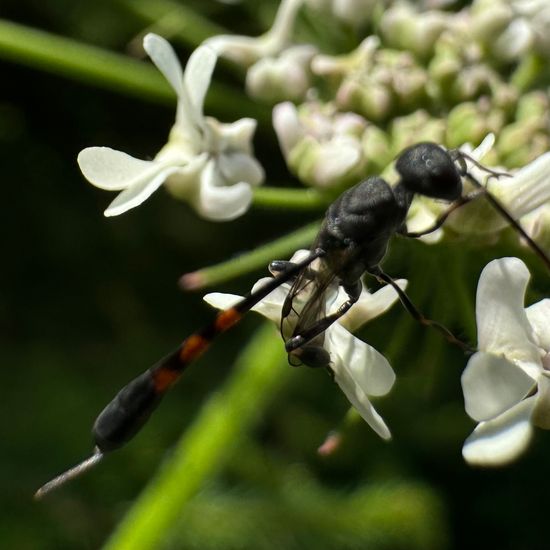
pixel 415 313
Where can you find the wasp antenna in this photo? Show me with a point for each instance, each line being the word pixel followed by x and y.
pixel 73 472
pixel 459 156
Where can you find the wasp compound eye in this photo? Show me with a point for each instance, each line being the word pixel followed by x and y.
pixel 428 169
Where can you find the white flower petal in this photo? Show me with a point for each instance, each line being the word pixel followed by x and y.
pixel 271 306
pixel 527 189
pixel 539 318
pixel 420 218
pixel 188 119
pixel 198 74
pixel 484 147
pixel 515 40
pixel 370 306
pixel 136 194
pixel 502 324
pixel 218 202
pixel 287 126
pixel 238 135
pixel 492 384
pixel 240 167
pixel 243 50
pixel 114 170
pixel 541 414
pixel 501 440
pixel 366 366
pixel 335 159
pixel 219 300
pixel 163 56
pixel 283 25
pixel 360 401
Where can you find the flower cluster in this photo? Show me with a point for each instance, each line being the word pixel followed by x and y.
pixel 326 148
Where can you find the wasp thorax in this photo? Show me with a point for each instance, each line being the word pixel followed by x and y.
pixel 428 169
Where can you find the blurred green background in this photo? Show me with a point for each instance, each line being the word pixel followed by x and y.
pixel 88 302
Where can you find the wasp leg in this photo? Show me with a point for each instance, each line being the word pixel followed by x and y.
pixel 496 204
pixel 417 315
pixel 299 340
pixel 281 266
pixel 443 217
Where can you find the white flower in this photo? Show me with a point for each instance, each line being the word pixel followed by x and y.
pixel 246 50
pixel 322 146
pixel 404 27
pixel 520 193
pixel 205 162
pixel 506 383
pixel 277 69
pixel 373 81
pixel 287 76
pixel 513 28
pixel 358 368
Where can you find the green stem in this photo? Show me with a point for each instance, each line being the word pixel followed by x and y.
pixel 284 198
pixel 83 62
pixel 207 446
pixel 175 20
pixel 110 70
pixel 249 261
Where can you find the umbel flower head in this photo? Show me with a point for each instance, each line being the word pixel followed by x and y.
pixel 205 162
pixel 506 383
pixel 358 368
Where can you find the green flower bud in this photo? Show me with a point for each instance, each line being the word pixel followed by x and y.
pixel 521 142
pixel 403 28
pixel 376 148
pixel 413 128
pixel 470 122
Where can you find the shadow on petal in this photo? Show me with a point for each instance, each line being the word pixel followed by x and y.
pixel 500 441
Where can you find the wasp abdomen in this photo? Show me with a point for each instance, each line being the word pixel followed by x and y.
pixel 126 413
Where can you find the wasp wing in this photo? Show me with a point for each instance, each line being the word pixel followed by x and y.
pixel 307 299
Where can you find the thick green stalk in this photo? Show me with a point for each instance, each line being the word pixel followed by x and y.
pixel 245 263
pixel 290 199
pixel 207 445
pixel 83 62
pixel 109 70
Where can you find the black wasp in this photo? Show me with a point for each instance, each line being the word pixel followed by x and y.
pixel 352 241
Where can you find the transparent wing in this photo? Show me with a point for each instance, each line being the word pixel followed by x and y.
pixel 309 294
pixel 306 300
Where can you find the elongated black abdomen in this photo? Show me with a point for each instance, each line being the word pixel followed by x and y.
pixel 121 419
